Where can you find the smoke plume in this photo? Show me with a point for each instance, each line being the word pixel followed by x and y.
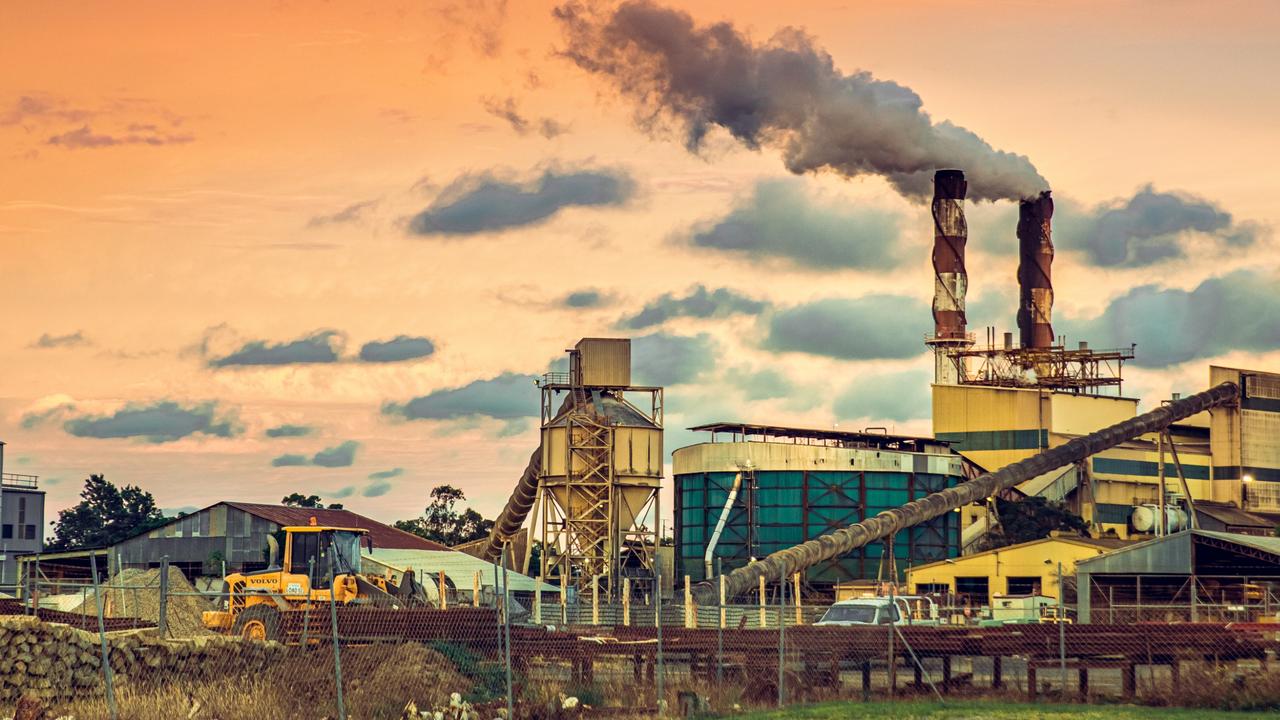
pixel 786 94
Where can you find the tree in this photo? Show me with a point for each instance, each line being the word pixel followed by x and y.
pixel 441 523
pixel 1030 519
pixel 104 516
pixel 307 501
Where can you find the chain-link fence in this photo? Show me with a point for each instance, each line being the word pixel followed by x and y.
pixel 493 652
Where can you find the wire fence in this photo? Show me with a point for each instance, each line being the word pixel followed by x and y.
pixel 146 643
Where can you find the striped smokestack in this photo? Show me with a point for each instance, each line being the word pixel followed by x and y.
pixel 1035 266
pixel 950 233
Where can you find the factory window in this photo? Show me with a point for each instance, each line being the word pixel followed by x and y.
pixel 975 588
pixel 1024 585
pixel 8 532
pixel 22 510
pixel 28 532
pixel 933 588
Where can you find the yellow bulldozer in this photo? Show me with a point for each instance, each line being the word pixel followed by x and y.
pixel 320 565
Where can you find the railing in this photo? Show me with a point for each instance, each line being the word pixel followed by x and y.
pixel 16 480
pixel 556 378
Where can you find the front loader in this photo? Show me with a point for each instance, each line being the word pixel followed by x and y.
pixel 320 565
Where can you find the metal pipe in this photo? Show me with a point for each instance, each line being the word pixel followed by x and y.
pixel 843 541
pixel 517 507
pixel 1035 267
pixel 724 518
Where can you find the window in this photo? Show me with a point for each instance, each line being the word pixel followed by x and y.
pixel 8 532
pixel 305 545
pixel 933 588
pixel 1024 585
pixel 28 532
pixel 975 588
pixel 22 510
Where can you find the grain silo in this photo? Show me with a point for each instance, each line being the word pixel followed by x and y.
pixel 756 489
pixel 601 469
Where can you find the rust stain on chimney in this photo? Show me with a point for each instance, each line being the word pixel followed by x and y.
pixel 950 233
pixel 1035 267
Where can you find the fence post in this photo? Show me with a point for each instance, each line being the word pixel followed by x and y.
pixel 796 596
pixel 333 625
pixel 475 589
pixel 657 619
pixel 720 631
pixel 782 639
pixel 626 602
pixel 306 611
pixel 892 667
pixel 506 624
pixel 1062 630
pixel 444 592
pixel 537 602
pixel 163 620
pixel 690 614
pixel 595 599
pixel 764 619
pixel 102 638
pixel 564 602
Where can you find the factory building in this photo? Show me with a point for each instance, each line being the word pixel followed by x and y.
pixel 21 522
pixel 752 490
pixel 1029 568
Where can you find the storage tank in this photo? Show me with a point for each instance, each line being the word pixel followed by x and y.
pixel 796 484
pixel 1145 518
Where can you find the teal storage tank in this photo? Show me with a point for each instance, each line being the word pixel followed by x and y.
pixel 790 485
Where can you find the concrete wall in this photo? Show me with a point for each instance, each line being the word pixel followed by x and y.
pixel 22 522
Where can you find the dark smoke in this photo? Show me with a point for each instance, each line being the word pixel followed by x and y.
pixel 786 94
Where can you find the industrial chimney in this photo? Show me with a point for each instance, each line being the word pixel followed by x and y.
pixel 1035 265
pixel 950 282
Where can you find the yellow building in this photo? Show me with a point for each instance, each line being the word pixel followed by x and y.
pixel 1029 568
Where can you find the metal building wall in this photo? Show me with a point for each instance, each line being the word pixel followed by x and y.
pixel 792 506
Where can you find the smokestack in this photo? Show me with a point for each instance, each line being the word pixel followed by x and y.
pixel 950 233
pixel 1035 265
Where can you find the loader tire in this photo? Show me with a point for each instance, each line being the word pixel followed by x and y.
pixel 259 622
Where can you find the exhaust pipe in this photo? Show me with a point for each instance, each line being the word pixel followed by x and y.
pixel 1035 268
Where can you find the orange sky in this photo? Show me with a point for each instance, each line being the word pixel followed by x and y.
pixel 219 131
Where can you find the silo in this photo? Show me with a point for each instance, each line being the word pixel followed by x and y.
pixel 601 470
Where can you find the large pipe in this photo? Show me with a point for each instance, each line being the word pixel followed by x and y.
pixel 950 233
pixel 784 563
pixel 1035 267
pixel 516 509
pixel 724 519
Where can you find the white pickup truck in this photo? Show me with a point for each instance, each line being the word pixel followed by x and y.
pixel 901 610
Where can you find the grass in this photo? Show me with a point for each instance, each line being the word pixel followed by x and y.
pixel 992 710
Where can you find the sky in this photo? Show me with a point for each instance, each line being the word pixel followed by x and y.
pixel 253 248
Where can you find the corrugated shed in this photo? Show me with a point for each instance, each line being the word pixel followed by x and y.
pixel 384 536
pixel 460 568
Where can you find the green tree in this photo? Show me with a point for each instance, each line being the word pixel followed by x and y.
pixel 1030 519
pixel 442 523
pixel 307 501
pixel 104 516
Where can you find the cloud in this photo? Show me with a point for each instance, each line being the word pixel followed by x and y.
pixel 508 396
pixel 582 299
pixel 289 431
pixel 342 455
pixel 664 359
pixel 75 339
pixel 785 93
pixel 377 488
pixel 37 107
pixel 508 111
pixel 349 214
pixel 342 493
pixel 1237 311
pixel 778 221
pixel 36 418
pixel 484 203
pixel 386 474
pixel 866 328
pixel 322 346
pixel 84 137
pixel 699 303
pixel 159 422
pixel 896 397
pixel 290 460
pixel 1149 228
pixel 482 21
pixel 766 384
pixel 401 347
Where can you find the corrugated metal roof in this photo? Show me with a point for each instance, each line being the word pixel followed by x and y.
pixel 1265 544
pixel 1232 515
pixel 459 567
pixel 384 536
pixel 1170 554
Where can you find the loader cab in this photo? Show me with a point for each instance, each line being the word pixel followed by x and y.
pixel 322 552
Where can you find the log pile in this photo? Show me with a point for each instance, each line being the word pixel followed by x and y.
pixel 57 662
